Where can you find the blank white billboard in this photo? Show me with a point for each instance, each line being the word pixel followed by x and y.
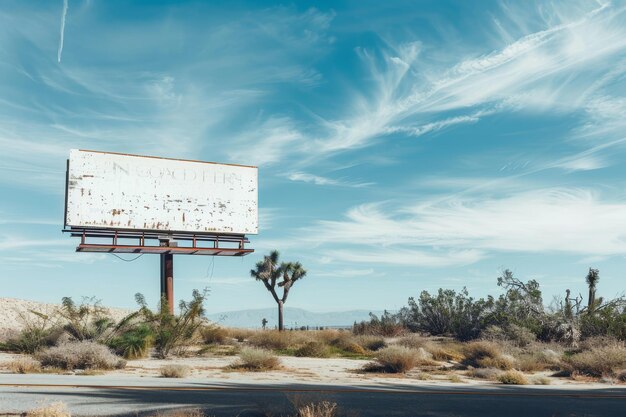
pixel 119 191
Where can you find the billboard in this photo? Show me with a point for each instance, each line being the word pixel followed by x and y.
pixel 132 192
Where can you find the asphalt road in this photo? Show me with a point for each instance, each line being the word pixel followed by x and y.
pixel 95 395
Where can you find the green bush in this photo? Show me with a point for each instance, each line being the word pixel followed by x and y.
pixel 135 343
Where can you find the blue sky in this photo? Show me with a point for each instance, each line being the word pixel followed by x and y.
pixel 401 146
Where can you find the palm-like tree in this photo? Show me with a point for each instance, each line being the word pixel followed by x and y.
pixel 269 271
pixel 592 281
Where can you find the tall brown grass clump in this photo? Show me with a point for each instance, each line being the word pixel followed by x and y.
pixel 57 409
pixel 322 409
pixel 414 341
pixel 513 377
pixel 599 362
pixel 213 335
pixel 273 339
pixel 80 355
pixel 484 354
pixel 175 371
pixel 24 366
pixel 193 412
pixel 397 359
pixel 255 359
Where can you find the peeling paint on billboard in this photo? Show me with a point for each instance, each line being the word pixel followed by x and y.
pixel 118 191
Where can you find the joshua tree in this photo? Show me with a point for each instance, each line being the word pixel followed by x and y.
pixel 264 323
pixel 270 272
pixel 592 281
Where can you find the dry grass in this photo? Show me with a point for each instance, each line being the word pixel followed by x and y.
pixel 398 359
pixel 490 374
pixel 322 409
pixel 537 361
pixel 373 343
pixel 240 335
pixel 57 409
pixel 513 377
pixel 255 359
pixel 598 362
pixel 213 335
pixel 175 371
pixel 24 366
pixel 273 339
pixel 193 412
pixel 80 355
pixel 485 354
pixel 414 341
pixel 455 378
pixel 313 350
pixel 540 380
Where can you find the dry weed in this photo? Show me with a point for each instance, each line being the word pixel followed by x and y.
pixel 322 409
pixel 513 377
pixel 255 359
pixel 57 409
pixel 24 366
pixel 175 371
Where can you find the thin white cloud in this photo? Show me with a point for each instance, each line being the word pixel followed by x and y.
pixel 574 221
pixel 319 180
pixel 60 51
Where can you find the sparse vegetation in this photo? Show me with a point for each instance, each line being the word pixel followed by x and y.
pixel 313 350
pixel 484 354
pixel 80 355
pixel 25 365
pixel 255 359
pixel 513 377
pixel 599 361
pixel 175 371
pixel 56 409
pixel 397 359
pixel 321 409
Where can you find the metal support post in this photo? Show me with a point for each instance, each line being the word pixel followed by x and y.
pixel 167 279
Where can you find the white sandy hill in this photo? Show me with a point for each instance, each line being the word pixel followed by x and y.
pixel 14 311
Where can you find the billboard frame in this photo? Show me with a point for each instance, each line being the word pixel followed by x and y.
pixel 134 241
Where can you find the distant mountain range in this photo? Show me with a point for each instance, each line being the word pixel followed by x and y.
pixel 294 317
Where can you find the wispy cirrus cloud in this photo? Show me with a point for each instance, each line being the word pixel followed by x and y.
pixel 319 180
pixel 466 228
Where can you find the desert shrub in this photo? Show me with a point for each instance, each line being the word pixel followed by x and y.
pixel 598 362
pixel 240 335
pixel 517 335
pixel 174 333
pixel 448 313
pixel 255 359
pixel 80 355
pixel 39 330
pixel 134 343
pixel 455 378
pixel 57 409
pixel 387 324
pixel 414 341
pixel 313 350
pixel 540 380
pixel 536 361
pixel 609 322
pixel 24 366
pixel 398 359
pixel 277 340
pixel 513 377
pixel 213 334
pixel 490 374
pixel 445 352
pixel 372 343
pixel 86 321
pixel 175 371
pixel 322 409
pixel 484 354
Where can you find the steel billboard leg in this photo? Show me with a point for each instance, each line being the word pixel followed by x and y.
pixel 167 279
